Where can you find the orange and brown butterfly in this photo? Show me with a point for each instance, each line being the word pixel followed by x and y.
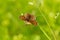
pixel 30 19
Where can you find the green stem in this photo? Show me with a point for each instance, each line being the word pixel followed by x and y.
pixel 44 32
pixel 48 25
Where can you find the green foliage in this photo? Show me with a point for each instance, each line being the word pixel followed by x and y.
pixel 47 14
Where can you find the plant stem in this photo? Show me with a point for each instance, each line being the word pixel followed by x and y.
pixel 48 25
pixel 44 32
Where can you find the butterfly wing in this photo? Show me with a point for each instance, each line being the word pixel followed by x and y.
pixel 33 22
pixel 22 18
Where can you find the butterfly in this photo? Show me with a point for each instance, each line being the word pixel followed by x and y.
pixel 29 18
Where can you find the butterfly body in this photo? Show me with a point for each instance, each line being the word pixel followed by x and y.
pixel 29 18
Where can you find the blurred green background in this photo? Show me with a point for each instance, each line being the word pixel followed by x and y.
pixel 47 14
